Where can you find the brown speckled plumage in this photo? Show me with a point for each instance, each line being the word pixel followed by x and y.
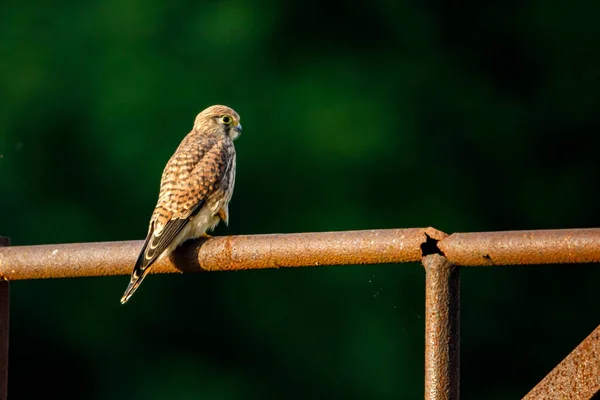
pixel 195 189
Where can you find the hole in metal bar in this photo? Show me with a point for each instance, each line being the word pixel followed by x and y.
pixel 430 247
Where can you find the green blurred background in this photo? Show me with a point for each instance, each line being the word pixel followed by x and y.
pixel 470 116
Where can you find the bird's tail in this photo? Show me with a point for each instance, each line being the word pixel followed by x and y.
pixel 137 276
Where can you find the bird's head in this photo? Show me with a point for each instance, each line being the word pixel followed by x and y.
pixel 219 120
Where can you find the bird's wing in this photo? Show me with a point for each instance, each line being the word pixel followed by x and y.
pixel 192 175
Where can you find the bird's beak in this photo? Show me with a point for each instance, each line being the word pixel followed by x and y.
pixel 238 128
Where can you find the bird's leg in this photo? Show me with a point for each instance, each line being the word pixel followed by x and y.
pixel 222 214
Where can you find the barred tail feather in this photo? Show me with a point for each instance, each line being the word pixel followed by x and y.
pixel 154 246
pixel 137 276
pixel 133 285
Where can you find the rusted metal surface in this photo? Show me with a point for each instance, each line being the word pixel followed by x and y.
pixel 4 329
pixel 219 253
pixel 577 377
pixel 306 249
pixel 523 247
pixel 442 329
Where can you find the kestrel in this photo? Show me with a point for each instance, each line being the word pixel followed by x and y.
pixel 195 189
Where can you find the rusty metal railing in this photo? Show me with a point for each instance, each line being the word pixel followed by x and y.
pixel 4 320
pixel 576 377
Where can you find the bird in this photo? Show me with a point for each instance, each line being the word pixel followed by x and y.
pixel 195 189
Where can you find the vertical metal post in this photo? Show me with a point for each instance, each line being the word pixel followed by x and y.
pixel 4 319
pixel 442 329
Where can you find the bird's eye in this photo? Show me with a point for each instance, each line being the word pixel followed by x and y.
pixel 226 119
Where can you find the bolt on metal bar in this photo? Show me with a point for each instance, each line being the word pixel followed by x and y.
pixel 577 377
pixel 4 330
pixel 442 329
pixel 523 247
pixel 219 253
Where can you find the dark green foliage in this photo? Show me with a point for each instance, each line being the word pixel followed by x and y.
pixel 465 117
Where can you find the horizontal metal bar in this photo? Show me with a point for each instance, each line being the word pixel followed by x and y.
pixel 577 377
pixel 523 247
pixel 219 253
pixel 307 249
